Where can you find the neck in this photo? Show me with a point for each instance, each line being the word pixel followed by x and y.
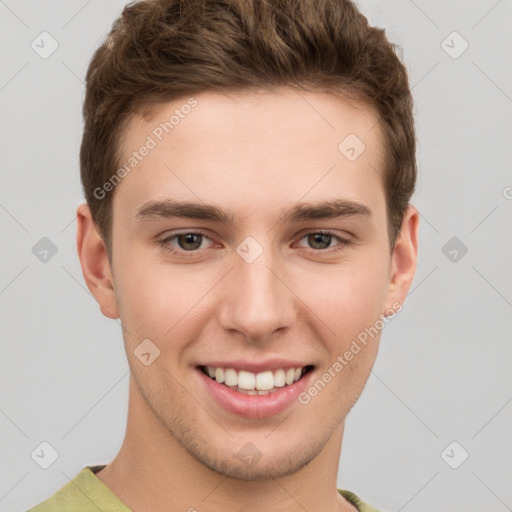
pixel 152 471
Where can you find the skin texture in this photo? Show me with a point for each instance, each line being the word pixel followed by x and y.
pixel 253 154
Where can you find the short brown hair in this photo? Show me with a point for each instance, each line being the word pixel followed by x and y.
pixel 162 50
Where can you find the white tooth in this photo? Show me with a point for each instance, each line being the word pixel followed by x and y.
pixel 246 380
pixel 230 377
pixel 262 392
pixel 252 392
pixel 219 375
pixel 279 380
pixel 211 371
pixel 289 376
pixel 296 374
pixel 264 381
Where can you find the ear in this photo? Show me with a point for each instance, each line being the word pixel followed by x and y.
pixel 404 259
pixel 95 265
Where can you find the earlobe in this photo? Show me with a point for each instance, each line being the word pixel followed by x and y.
pixel 404 259
pixel 94 261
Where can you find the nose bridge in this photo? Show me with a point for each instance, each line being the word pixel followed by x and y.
pixel 258 302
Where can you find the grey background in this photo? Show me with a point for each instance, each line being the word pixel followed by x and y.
pixel 443 370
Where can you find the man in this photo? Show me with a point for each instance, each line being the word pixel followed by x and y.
pixel 248 167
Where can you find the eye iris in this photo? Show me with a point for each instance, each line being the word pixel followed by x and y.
pixel 189 239
pixel 317 238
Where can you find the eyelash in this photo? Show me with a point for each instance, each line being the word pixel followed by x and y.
pixel 165 242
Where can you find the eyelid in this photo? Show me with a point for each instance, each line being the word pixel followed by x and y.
pixel 342 240
pixel 198 231
pixel 175 234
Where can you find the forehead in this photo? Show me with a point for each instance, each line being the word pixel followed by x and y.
pixel 252 150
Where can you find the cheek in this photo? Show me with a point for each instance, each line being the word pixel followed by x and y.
pixel 159 301
pixel 347 297
pixel 147 301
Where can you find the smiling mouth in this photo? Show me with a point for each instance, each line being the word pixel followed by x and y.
pixel 249 383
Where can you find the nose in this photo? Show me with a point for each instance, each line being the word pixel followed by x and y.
pixel 257 301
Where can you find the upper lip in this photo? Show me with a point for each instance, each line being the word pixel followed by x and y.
pixel 256 367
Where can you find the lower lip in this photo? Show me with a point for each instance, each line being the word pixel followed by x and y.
pixel 255 406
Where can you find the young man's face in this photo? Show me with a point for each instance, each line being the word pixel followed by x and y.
pixel 256 291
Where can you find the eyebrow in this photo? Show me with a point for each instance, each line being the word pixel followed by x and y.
pixel 329 209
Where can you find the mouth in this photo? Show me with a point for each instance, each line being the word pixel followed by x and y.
pixel 262 383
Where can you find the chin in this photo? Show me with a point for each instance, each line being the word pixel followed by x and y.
pixel 258 467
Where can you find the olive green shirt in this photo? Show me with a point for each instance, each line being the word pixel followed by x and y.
pixel 87 493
